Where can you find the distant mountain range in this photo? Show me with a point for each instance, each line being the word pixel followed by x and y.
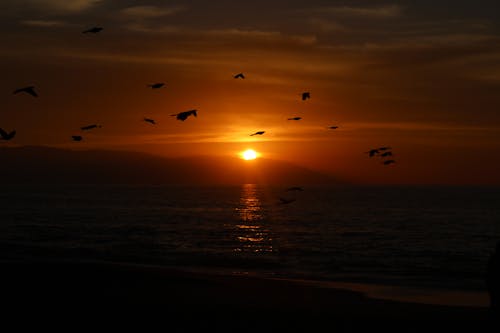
pixel 44 165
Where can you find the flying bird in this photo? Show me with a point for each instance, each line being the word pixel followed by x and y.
pixel 305 95
pixel 284 201
pixel 389 162
pixel 295 188
pixel 77 137
pixel 7 136
pixel 239 76
pixel 184 115
pixel 93 30
pixel 295 118
pixel 156 85
pixel 333 127
pixel 89 127
pixel 149 120
pixel 387 153
pixel 258 133
pixel 29 90
pixel 372 152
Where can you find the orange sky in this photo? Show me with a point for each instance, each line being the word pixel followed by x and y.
pixel 423 79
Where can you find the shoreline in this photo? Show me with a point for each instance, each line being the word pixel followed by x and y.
pixel 92 287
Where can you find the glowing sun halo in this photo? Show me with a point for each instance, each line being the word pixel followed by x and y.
pixel 249 154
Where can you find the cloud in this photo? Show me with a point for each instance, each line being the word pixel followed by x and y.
pixel 382 12
pixel 43 23
pixel 149 12
pixel 63 5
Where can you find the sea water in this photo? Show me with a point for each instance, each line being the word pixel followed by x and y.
pixel 409 236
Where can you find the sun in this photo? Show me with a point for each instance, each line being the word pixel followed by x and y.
pixel 249 154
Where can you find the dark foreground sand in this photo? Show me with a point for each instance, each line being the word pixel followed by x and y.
pixel 99 295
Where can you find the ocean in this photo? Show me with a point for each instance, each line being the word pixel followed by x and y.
pixel 422 236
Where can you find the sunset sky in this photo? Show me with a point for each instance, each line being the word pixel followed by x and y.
pixel 422 77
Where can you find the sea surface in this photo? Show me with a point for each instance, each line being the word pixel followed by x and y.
pixel 409 236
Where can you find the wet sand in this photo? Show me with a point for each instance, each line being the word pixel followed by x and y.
pixel 126 295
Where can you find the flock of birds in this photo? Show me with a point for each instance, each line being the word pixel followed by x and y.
pixel 383 152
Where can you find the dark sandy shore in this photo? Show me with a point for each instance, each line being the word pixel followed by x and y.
pixel 126 296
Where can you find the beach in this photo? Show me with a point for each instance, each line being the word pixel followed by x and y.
pixel 122 294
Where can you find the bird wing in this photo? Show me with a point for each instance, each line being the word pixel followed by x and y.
pixel 3 134
pixel 32 92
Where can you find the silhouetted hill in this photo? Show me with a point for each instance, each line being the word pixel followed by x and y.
pixel 52 166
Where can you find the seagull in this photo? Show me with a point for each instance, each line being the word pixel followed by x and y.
pixel 388 162
pixel 333 127
pixel 7 136
pixel 29 90
pixel 184 115
pixel 387 153
pixel 156 85
pixel 89 127
pixel 149 120
pixel 93 30
pixel 295 188
pixel 305 95
pixel 77 137
pixel 295 118
pixel 372 152
pixel 284 201
pixel 258 133
pixel 239 76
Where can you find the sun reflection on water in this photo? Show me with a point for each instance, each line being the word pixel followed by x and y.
pixel 251 232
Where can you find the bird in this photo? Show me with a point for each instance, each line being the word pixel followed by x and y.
pixel 149 120
pixel 333 127
pixel 306 95
pixel 156 85
pixel 89 127
pixel 384 148
pixel 184 115
pixel 29 90
pixel 239 76
pixel 93 30
pixel 295 118
pixel 7 136
pixel 258 133
pixel 387 153
pixel 372 152
pixel 77 137
pixel 388 162
pixel 295 188
pixel 284 201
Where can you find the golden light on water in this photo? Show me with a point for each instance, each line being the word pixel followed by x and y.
pixel 249 154
pixel 251 232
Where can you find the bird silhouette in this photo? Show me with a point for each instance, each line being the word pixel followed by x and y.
pixel 295 188
pixel 184 115
pixel 258 133
pixel 387 153
pixel 29 90
pixel 239 76
pixel 372 152
pixel 89 127
pixel 295 118
pixel 284 201
pixel 333 127
pixel 306 95
pixel 389 162
pixel 149 120
pixel 77 137
pixel 156 85
pixel 7 136
pixel 93 30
